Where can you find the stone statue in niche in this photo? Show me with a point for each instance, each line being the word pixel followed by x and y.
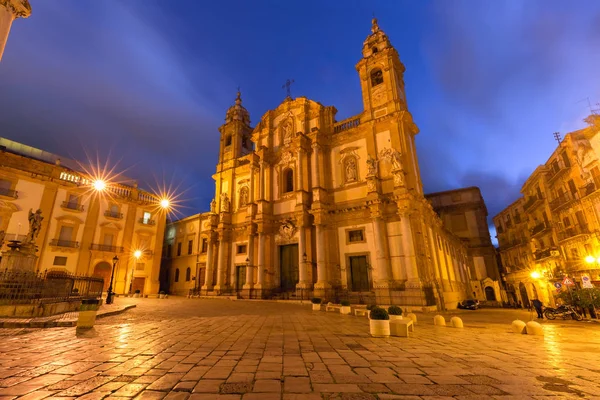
pixel 371 166
pixel 243 196
pixel 213 206
pixel 351 173
pixel 286 132
pixel 224 202
pixel 35 224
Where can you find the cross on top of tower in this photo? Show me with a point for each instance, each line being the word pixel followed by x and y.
pixel 287 86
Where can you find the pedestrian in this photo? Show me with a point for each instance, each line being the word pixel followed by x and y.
pixel 537 304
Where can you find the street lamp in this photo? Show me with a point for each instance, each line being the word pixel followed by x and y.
pixel 137 254
pixel 99 185
pixel 304 257
pixel 109 296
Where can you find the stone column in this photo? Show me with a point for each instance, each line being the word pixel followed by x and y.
pixel 300 185
pixel 208 272
pixel 408 246
pixel 221 264
pixel 302 269
pixel 322 283
pixel 260 279
pixel 261 189
pixel 383 260
pixel 316 169
pixel 250 265
pixel 9 11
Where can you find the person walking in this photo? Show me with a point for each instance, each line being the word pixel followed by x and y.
pixel 537 304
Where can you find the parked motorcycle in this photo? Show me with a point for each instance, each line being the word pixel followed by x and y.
pixel 564 311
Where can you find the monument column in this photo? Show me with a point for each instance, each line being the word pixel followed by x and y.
pixel 260 278
pixel 408 248
pixel 322 283
pixel 9 11
pixel 208 273
pixel 221 263
pixel 250 264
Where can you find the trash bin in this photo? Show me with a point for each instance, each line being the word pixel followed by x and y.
pixel 87 313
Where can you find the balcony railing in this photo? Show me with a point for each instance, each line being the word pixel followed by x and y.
pixel 108 248
pixel 145 221
pixel 541 254
pixel 9 193
pixel 64 243
pixel 113 214
pixel 346 124
pixel 533 201
pixel 69 205
pixel 538 228
pixel 556 170
pixel 573 231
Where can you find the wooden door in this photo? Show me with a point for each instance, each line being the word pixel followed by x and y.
pixel 138 284
pixel 288 262
pixel 359 274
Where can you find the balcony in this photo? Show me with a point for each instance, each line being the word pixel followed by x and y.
pixel 112 214
pixel 513 243
pixel 64 243
pixel 572 231
pixel 533 201
pixel 107 248
pixel 539 228
pixel 557 169
pixel 145 221
pixel 69 205
pixel 13 194
pixel 546 253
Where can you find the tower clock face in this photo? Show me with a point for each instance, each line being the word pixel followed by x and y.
pixel 378 95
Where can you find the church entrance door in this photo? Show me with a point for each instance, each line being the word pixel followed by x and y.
pixel 359 274
pixel 240 278
pixel 288 263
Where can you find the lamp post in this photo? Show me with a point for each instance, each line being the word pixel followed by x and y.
pixel 109 296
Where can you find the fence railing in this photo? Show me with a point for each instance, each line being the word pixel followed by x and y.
pixel 46 287
pixel 107 248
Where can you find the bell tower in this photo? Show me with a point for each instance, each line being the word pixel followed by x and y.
pixel 235 132
pixel 381 75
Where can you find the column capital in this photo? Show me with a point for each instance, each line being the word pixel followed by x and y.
pixel 19 8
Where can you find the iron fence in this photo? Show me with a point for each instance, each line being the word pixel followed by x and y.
pixel 47 287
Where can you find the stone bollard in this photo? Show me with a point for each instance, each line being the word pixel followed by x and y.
pixel 518 326
pixel 456 322
pixel 413 317
pixel 534 328
pixel 439 320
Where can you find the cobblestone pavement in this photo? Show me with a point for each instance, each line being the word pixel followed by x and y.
pixel 220 349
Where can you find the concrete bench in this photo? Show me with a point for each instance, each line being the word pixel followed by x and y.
pixel 401 327
pixel 361 311
pixel 333 307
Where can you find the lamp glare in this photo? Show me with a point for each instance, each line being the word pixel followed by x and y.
pixel 164 203
pixel 137 253
pixel 535 275
pixel 590 259
pixel 99 185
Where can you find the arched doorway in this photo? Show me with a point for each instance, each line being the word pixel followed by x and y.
pixel 524 296
pixel 490 294
pixel 103 270
pixel 534 291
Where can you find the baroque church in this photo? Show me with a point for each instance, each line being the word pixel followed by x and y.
pixel 309 206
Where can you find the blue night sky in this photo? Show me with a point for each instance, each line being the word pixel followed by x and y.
pixel 146 83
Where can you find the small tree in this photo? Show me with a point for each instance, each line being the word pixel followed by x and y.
pixel 584 298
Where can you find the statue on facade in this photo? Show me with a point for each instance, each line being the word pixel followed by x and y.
pixel 35 224
pixel 371 166
pixel 287 229
pixel 213 206
pixel 286 132
pixel 224 202
pixel 393 156
pixel 243 196
pixel 351 174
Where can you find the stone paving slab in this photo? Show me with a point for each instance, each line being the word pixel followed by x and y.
pixel 220 349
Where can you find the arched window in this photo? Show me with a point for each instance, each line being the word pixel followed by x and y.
pixel 376 77
pixel 243 196
pixel 177 275
pixel 374 49
pixel 227 140
pixel 188 274
pixel 288 180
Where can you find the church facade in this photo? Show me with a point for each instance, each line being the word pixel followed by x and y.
pixel 309 206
